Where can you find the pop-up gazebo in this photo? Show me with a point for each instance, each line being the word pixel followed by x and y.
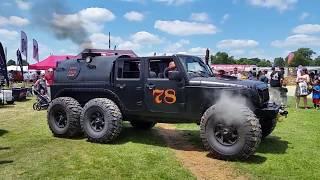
pixel 49 62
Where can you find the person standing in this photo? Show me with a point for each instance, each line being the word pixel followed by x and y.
pixel 235 73
pixel 302 87
pixel 263 77
pixel 283 89
pixel 276 80
pixel 316 94
pixel 49 81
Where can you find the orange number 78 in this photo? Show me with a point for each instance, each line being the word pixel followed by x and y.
pixel 164 96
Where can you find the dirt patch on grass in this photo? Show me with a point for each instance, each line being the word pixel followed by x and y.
pixel 196 159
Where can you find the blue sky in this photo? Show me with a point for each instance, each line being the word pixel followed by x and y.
pixel 243 28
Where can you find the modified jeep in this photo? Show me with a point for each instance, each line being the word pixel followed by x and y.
pixel 95 94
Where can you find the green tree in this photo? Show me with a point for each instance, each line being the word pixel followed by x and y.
pixel 222 58
pixel 316 61
pixel 301 57
pixel 11 62
pixel 279 62
pixel 264 63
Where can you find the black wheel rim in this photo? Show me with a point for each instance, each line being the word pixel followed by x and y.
pixel 96 121
pixel 60 119
pixel 226 135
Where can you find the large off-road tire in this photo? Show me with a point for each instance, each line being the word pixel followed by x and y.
pixel 143 125
pixel 101 120
pixel 267 126
pixel 64 117
pixel 232 138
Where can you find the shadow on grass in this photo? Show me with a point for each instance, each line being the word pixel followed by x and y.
pixel 6 106
pixel 273 145
pixel 5 162
pixel 3 132
pixel 4 148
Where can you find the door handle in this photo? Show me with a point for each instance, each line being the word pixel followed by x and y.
pixel 121 86
pixel 151 86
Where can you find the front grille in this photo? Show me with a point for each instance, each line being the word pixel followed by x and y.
pixel 264 95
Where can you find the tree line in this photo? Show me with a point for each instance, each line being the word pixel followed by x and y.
pixel 302 56
pixel 11 62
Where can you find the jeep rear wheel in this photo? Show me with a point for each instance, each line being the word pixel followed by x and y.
pixel 230 138
pixel 64 117
pixel 144 125
pixel 101 120
pixel 267 126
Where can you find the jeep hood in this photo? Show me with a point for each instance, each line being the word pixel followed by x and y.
pixel 226 82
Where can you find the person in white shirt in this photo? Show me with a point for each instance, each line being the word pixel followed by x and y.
pixel 236 73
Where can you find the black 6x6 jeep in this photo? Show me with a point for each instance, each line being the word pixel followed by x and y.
pixel 94 95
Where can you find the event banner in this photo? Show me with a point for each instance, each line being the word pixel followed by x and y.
pixel 35 50
pixel 24 44
pixel 20 63
pixel 3 64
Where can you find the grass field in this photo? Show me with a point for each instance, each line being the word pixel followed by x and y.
pixel 291 152
pixel 28 150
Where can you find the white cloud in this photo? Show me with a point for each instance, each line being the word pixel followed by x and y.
pixel 177 47
pixel 184 28
pixel 91 19
pixel 96 14
pixel 197 51
pixel 144 37
pixel 8 35
pixel 202 17
pixel 14 21
pixel 225 18
pixel 303 16
pixel 136 41
pixel 23 4
pixel 297 40
pixel 281 5
pixel 237 44
pixel 134 16
pixel 174 2
pixel 307 29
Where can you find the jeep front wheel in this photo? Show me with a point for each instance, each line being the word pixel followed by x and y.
pixel 64 117
pixel 101 120
pixel 143 125
pixel 230 137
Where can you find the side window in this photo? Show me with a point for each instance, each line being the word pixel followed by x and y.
pixel 159 67
pixel 129 69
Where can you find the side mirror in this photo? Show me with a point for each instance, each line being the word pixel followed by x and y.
pixel 89 59
pixel 175 75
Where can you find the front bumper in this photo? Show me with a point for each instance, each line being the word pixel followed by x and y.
pixel 271 111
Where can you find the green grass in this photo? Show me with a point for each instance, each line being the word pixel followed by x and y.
pixel 291 152
pixel 28 150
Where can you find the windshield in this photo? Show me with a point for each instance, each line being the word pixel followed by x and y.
pixel 195 67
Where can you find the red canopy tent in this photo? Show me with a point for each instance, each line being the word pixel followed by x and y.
pixel 49 62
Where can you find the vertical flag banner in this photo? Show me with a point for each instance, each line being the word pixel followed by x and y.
pixel 19 59
pixel 35 50
pixel 207 56
pixel 3 64
pixel 24 44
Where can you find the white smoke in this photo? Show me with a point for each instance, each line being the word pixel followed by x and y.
pixel 230 107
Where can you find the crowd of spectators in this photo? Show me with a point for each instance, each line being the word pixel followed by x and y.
pixel 306 83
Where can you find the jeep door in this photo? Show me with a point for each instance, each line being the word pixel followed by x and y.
pixel 129 83
pixel 162 94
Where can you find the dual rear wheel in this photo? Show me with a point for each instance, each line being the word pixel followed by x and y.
pixel 100 119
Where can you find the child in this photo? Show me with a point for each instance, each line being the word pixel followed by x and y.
pixel 316 94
